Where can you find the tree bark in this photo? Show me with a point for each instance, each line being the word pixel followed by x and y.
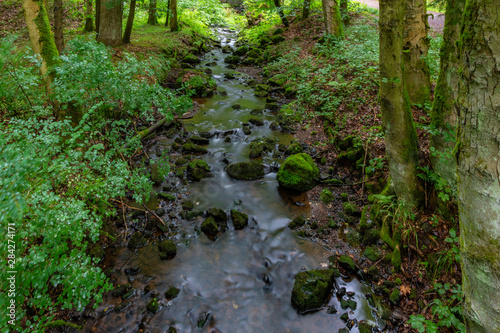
pixel 333 21
pixel 478 164
pixel 97 15
pixel 444 114
pixel 152 19
pixel 174 25
pixel 167 19
pixel 306 9
pixel 41 37
pixel 130 22
pixel 281 13
pixel 58 25
pixel 110 25
pixel 89 22
pixel 400 134
pixel 416 46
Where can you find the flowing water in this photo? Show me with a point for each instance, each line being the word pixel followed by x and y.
pixel 242 281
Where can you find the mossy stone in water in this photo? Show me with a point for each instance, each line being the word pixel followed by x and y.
pixel 191 59
pixel 246 170
pixel 294 148
pixel 347 263
pixel 137 241
pixel 262 87
pixel 172 293
pixel 346 304
pixel 198 170
pixel 298 172
pixel 326 196
pixel 261 93
pixel 202 84
pixel 168 247
pixel 209 227
pixel 240 220
pixel 232 59
pixel 218 214
pixel 311 288
pixel 187 205
pixel 297 222
pixel 241 51
pixel 153 305
pixel 192 148
pixel 166 196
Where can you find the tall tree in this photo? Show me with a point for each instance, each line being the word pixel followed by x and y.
pixel 174 25
pixel 333 21
pixel 152 18
pixel 97 15
pixel 478 164
pixel 110 22
pixel 281 13
pixel 41 37
pixel 416 45
pixel 167 18
pixel 58 25
pixel 89 22
pixel 400 134
pixel 444 113
pixel 130 22
pixel 306 9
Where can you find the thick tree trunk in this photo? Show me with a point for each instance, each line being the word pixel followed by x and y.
pixel 416 46
pixel 41 36
pixel 174 25
pixel 167 19
pixel 58 25
pixel 152 19
pixel 97 15
pixel 444 114
pixel 281 13
pixel 89 22
pixel 479 164
pixel 306 9
pixel 333 21
pixel 400 134
pixel 130 22
pixel 110 25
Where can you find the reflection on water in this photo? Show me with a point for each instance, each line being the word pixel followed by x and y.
pixel 241 282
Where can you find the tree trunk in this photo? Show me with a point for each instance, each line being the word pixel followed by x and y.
pixel 167 19
pixel 416 46
pixel 110 25
pixel 97 15
pixel 333 21
pixel 130 22
pixel 306 9
pixel 400 134
pixel 89 23
pixel 174 26
pixel 41 36
pixel 58 25
pixel 281 13
pixel 152 19
pixel 444 114
pixel 478 164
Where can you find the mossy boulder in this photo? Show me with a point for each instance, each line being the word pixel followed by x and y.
pixel 348 304
pixel 187 205
pixel 347 263
pixel 278 31
pixel 168 247
pixel 137 241
pixel 277 39
pixel 371 236
pixel 153 305
pixel 172 293
pixel 261 93
pixel 262 87
pixel 246 170
pixel 294 148
pixel 198 170
pixel 157 175
pixel 192 148
pixel 297 222
pixel 350 208
pixel 254 53
pixel 232 59
pixel 241 51
pixel 256 121
pixel 166 196
pixel 201 84
pixel 240 220
pixel 326 196
pixel 209 226
pixel 191 59
pixel 298 172
pixel 395 296
pixel 372 253
pixel 248 61
pixel 218 214
pixel 199 140
pixel 311 289
pixel 278 80
pixel 258 147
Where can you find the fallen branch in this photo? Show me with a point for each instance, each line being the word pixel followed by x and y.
pixel 153 213
pixel 142 134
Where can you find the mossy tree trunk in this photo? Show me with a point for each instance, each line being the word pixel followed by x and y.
pixel 97 15
pixel 333 20
pixel 89 22
pixel 400 134
pixel 306 9
pixel 58 25
pixel 167 19
pixel 478 161
pixel 416 46
pixel 174 25
pixel 444 113
pixel 41 37
pixel 110 22
pixel 152 18
pixel 130 22
pixel 281 13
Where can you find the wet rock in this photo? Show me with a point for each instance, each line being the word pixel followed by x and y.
pixel 331 310
pixel 256 112
pixel 372 253
pixel 344 329
pixel 294 148
pixel 347 263
pixel 256 121
pixel 326 196
pixel 153 306
pixel 199 140
pixel 311 288
pixel 254 53
pixel 246 130
pixel 191 59
pixel 198 170
pixel 227 139
pixel 123 306
pixel 172 293
pixel 172 329
pixel 232 59
pixel 204 320
pixel 218 214
pixel 240 220
pixel 187 205
pixel 202 84
pixel 272 106
pixel 137 241
pixel 157 175
pixel 121 290
pixel 346 304
pixel 132 270
pixel 298 172
pixel 262 87
pixel 166 196
pixel 229 76
pixel 258 147
pixel 168 247
pixel 209 226
pixel 185 65
pixel 297 222
pixel 345 318
pixel 246 170
pixel 274 126
pixel 227 49
pixel 241 51
pixel 192 148
pixel 261 93
pixel 236 106
pixel 207 71
pixel 181 161
pixel 341 292
pixel 364 327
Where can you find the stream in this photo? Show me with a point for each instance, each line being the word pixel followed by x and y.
pixel 241 281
